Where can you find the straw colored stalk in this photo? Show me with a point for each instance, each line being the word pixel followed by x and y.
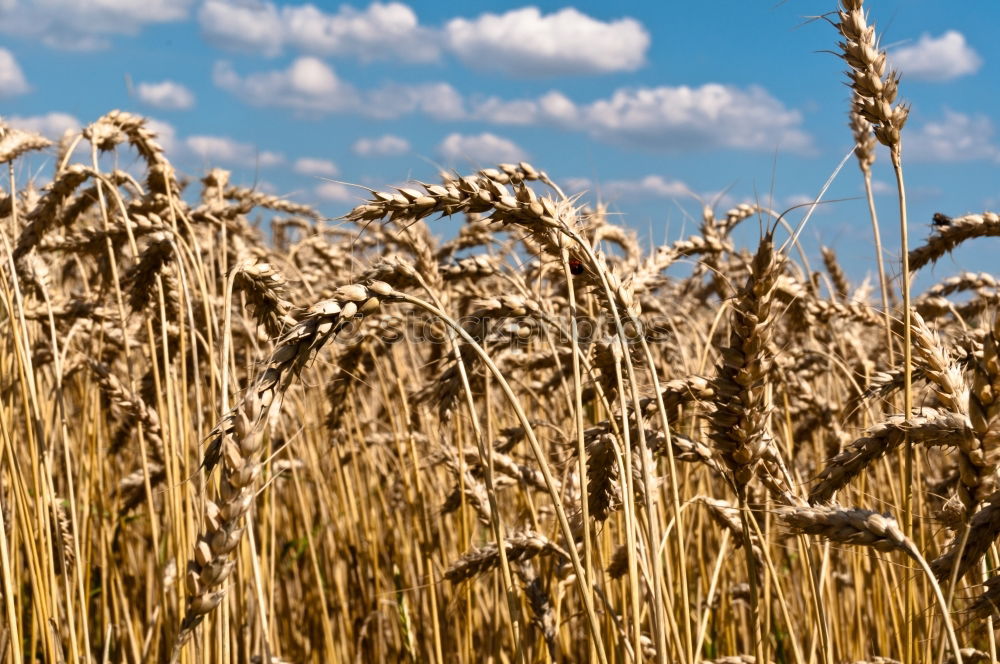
pixel 238 440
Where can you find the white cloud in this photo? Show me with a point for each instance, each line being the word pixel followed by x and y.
pixel 311 85
pixel 340 193
pixel 12 81
pixel 662 118
pixel 937 58
pixel 312 166
pixel 524 42
pixel 166 95
pixel 382 31
pixel 85 24
pixel 956 137
pixel 50 125
pixel 227 150
pixel 253 27
pixel 383 146
pixel 679 118
pixel 483 148
pixel 438 100
pixel 308 84
pixel 520 42
pixel 651 186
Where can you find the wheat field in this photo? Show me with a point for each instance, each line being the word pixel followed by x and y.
pixel 235 429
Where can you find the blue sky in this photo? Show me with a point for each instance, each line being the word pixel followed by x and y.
pixel 638 103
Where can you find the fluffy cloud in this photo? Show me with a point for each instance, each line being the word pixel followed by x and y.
pixel 12 81
pixel 663 118
pixel 247 27
pixel 227 150
pixel 166 95
pixel 208 150
pixel 650 186
pixel 524 42
pixel 937 58
pixel 680 118
pixel 382 31
pixel 438 100
pixel 311 85
pixel 50 125
pixel 307 85
pixel 311 166
pixel 956 137
pixel 85 24
pixel 520 42
pixel 383 146
pixel 483 148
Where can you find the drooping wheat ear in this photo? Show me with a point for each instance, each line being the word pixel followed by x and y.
pixel 739 214
pixel 354 363
pixel 63 544
pixel 928 426
pixel 848 526
pixel 984 409
pixel 984 527
pixel 864 139
pixel 507 173
pixel 540 604
pixel 140 279
pixel 728 517
pixel 472 267
pixel 131 488
pixel 841 285
pixel 934 302
pixel 14 143
pixel 602 473
pixel 239 437
pixel 987 604
pixel 883 384
pixel 799 298
pixel 977 473
pixel 971 656
pixel 474 494
pixel 42 216
pixel 739 422
pixel 876 90
pixel 946 238
pixel 507 466
pixel 647 274
pixel 519 546
pixel 266 293
pixel 119 126
pixel 958 283
pixel 624 239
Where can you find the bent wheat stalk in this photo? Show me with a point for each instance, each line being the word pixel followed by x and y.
pixel 238 440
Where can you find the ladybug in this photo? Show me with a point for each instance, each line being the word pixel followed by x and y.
pixel 941 219
pixel 575 266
